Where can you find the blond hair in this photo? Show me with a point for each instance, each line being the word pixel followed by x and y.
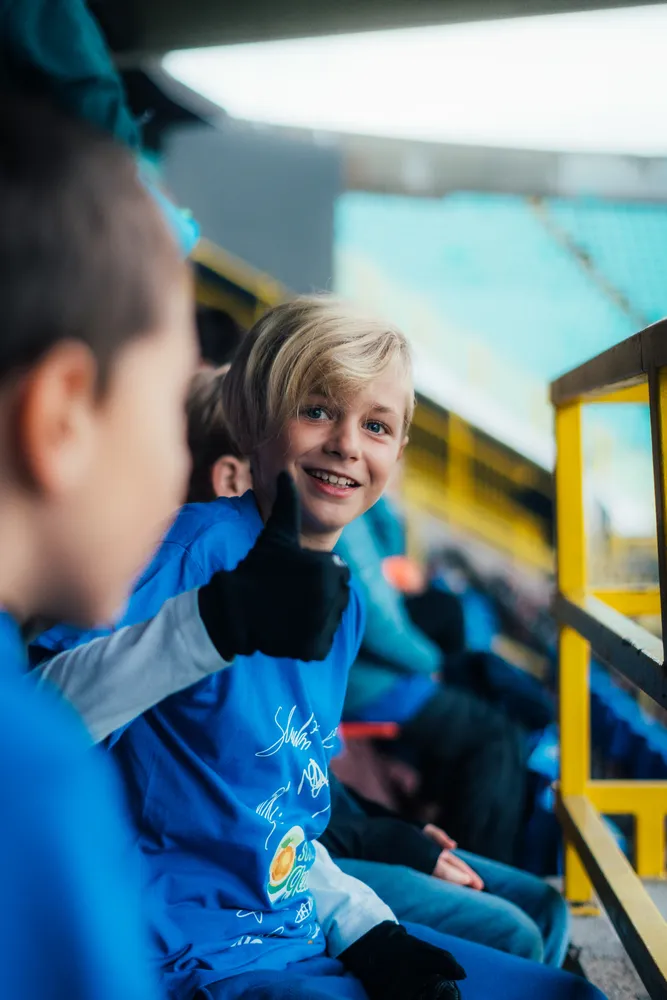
pixel 314 344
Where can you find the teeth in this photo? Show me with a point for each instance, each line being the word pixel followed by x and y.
pixel 329 477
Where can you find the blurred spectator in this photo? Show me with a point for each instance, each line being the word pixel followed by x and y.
pixel 416 872
pixel 466 736
pixel 95 303
pixel 219 336
pixel 54 50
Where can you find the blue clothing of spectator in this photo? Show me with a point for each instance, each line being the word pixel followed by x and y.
pixel 227 781
pixel 516 913
pixel 55 50
pixel 70 919
pixel 394 649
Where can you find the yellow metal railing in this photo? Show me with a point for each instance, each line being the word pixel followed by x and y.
pixel 458 476
pixel 225 282
pixel 598 621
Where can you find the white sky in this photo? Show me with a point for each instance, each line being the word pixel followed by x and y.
pixel 593 81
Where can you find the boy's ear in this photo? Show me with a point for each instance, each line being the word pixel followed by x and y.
pixel 54 418
pixel 402 448
pixel 230 476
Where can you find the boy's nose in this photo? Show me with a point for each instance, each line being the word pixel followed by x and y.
pixel 344 443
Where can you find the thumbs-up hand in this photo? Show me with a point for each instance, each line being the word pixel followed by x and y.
pixel 281 599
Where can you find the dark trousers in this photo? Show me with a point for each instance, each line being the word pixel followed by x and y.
pixel 473 761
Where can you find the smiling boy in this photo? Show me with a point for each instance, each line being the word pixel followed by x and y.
pixel 228 781
pixel 232 774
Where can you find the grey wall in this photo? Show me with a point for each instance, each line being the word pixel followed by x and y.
pixel 265 197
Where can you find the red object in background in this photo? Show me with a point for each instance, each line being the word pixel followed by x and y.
pixel 369 730
pixel 404 574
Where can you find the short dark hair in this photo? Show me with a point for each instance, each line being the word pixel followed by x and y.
pixel 208 437
pixel 84 251
pixel 219 336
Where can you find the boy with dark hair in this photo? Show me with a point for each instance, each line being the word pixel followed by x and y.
pixel 219 336
pixel 218 467
pixel 96 348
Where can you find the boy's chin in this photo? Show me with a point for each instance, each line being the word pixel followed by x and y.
pixel 318 523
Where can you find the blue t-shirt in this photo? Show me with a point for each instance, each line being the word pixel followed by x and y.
pixel 228 780
pixel 70 922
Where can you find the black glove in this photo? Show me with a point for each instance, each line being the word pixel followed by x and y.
pixel 394 965
pixel 281 600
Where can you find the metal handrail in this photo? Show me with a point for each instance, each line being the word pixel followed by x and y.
pixel 591 621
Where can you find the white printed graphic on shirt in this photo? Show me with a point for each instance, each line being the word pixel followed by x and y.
pixel 329 742
pixel 290 865
pixel 246 940
pixel 257 914
pixel 304 911
pixel 315 777
pixel 271 811
pixel 290 735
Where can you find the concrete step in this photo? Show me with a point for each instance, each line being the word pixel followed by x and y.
pixel 602 956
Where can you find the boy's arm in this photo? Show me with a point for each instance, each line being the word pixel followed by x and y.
pixel 346 908
pixel 114 679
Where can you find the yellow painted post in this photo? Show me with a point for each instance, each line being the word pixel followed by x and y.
pixel 574 653
pixel 460 450
pixel 657 383
pixel 650 843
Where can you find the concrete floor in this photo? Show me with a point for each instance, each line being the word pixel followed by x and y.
pixel 602 955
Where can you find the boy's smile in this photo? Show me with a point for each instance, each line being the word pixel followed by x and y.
pixel 332 482
pixel 340 454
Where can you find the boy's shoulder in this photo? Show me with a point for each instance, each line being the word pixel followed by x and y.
pixel 217 535
pixel 203 539
pixel 39 732
pixel 195 520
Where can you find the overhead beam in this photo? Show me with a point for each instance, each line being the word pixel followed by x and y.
pixel 159 25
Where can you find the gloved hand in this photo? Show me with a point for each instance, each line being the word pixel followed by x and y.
pixel 281 600
pixel 394 965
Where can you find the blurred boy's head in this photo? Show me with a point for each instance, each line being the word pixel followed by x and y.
pixel 96 350
pixel 325 392
pixel 219 337
pixel 218 468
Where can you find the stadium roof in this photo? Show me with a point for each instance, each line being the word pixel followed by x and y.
pixel 137 28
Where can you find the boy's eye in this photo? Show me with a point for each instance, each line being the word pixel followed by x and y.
pixel 314 412
pixel 375 427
